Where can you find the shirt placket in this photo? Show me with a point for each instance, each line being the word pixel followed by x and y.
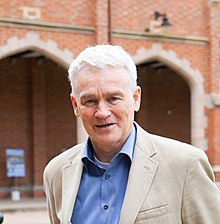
pixel 106 194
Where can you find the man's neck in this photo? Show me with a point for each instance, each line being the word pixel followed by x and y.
pixel 105 155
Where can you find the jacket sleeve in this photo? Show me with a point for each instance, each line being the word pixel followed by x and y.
pixel 201 196
pixel 50 199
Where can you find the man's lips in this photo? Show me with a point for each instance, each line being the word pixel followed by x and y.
pixel 104 125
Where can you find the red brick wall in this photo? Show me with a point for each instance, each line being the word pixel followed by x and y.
pixel 186 17
pixel 34 94
pixel 61 122
pixel 213 133
pixel 71 12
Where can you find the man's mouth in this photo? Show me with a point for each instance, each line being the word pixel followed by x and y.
pixel 104 125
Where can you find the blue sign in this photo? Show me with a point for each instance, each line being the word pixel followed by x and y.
pixel 15 164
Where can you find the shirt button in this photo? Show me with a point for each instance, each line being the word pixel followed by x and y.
pixel 107 177
pixel 105 207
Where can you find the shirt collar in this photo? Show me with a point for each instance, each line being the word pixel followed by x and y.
pixel 127 149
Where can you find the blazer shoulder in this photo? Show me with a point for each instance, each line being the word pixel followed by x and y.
pixel 65 158
pixel 170 145
pixel 177 152
pixel 165 148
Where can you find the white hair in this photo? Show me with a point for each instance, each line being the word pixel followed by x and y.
pixel 103 57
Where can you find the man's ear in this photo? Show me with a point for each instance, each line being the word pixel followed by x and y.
pixel 75 105
pixel 137 99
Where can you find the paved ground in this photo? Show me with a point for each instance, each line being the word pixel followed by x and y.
pixel 25 211
pixel 26 217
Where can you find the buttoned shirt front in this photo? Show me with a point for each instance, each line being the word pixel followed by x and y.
pixel 101 191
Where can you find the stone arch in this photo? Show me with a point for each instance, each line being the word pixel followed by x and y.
pixel 32 41
pixel 49 48
pixel 195 82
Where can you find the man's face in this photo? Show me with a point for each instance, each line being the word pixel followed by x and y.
pixel 106 105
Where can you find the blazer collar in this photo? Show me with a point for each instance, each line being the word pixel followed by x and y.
pixel 72 173
pixel 142 172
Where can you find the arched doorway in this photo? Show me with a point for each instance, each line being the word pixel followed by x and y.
pixel 195 81
pixel 36 116
pixel 165 108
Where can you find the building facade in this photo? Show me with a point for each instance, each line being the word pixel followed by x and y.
pixel 175 45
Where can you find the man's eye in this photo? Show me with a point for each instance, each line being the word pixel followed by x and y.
pixel 90 102
pixel 114 99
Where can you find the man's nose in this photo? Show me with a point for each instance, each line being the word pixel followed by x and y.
pixel 103 111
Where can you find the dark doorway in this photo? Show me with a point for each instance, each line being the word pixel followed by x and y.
pixel 165 108
pixel 35 114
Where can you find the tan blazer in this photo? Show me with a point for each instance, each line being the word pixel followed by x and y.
pixel 169 183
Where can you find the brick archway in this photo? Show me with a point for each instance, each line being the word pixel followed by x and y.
pixel 195 82
pixel 49 48
pixel 32 41
pixel 36 96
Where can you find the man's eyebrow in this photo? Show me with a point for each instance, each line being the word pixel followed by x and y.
pixel 86 95
pixel 91 95
pixel 116 93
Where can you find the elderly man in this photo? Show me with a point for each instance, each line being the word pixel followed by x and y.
pixel 122 174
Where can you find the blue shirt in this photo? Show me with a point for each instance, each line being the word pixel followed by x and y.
pixel 101 191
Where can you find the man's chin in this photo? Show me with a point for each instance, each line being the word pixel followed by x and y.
pixel 106 140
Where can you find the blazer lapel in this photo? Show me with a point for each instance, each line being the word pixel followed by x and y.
pixel 70 184
pixel 142 172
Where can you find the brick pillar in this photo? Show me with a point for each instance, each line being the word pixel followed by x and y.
pixel 214 140
pixel 214 113
pixel 102 21
pixel 214 33
pixel 39 129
